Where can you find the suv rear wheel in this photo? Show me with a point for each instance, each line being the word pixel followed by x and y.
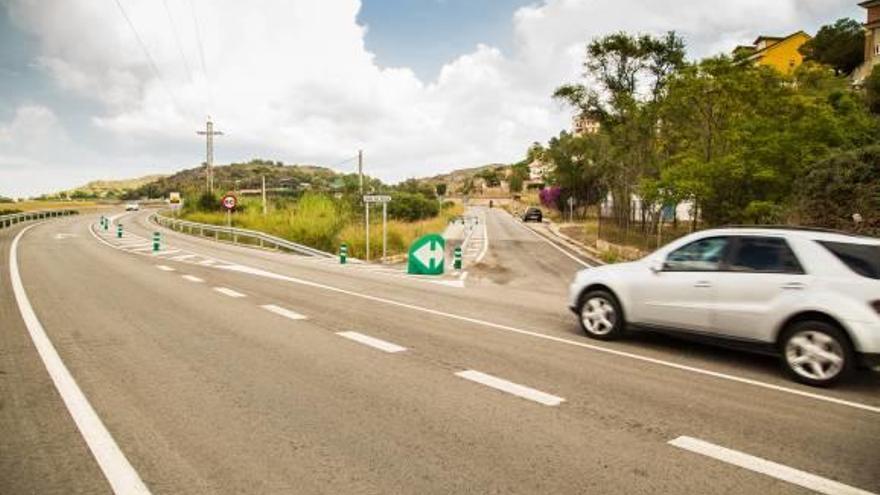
pixel 600 315
pixel 816 353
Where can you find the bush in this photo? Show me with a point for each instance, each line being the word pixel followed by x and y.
pixel 839 186
pixel 411 207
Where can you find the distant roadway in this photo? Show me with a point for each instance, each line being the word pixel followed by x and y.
pixel 215 368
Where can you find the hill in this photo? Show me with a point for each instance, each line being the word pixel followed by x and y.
pixel 246 176
pixel 109 188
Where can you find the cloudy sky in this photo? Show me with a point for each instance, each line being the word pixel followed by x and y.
pixel 94 89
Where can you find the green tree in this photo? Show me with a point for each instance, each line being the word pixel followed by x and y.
pixel 840 45
pixel 622 67
pixel 835 188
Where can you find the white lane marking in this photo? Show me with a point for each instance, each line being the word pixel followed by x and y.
pixel 112 461
pixel 548 241
pixel 372 342
pixel 538 335
pixel 184 257
pixel 165 268
pixel 278 310
pixel 511 388
pixel 228 292
pixel 192 278
pixel 207 262
pixel 779 471
pixel 143 249
pixel 166 253
pixel 485 249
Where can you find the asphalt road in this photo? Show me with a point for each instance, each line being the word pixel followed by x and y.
pixel 220 369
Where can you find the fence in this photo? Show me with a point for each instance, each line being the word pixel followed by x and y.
pixel 15 218
pixel 236 235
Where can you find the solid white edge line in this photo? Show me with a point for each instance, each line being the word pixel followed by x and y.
pixel 380 344
pixel 278 310
pixel 538 335
pixel 192 278
pixel 228 292
pixel 511 387
pixel 165 268
pixel 548 241
pixel 119 472
pixel 775 470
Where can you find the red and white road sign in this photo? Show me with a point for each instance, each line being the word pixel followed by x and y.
pixel 229 201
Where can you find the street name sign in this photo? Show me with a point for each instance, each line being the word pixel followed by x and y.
pixel 427 255
pixel 371 198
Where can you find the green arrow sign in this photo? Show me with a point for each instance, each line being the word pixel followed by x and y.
pixel 426 255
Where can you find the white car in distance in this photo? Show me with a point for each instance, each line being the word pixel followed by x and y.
pixel 810 296
pixel 132 207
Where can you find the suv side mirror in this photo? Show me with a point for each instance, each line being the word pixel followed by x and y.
pixel 656 266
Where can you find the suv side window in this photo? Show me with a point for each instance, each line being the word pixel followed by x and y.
pixel 703 255
pixel 764 255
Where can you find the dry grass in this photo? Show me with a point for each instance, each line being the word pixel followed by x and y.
pixel 47 205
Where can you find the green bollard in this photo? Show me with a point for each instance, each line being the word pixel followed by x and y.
pixel 119 230
pixel 156 241
pixel 457 260
pixel 343 253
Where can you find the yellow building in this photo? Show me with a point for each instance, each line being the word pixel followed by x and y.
pixel 780 53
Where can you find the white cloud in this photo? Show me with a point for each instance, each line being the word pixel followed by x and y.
pixel 293 80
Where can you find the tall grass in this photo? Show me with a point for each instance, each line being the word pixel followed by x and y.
pixel 321 222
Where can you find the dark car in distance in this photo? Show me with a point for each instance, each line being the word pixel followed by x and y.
pixel 532 214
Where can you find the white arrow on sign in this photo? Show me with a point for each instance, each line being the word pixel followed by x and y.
pixel 429 255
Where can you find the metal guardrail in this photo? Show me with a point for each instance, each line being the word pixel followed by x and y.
pixel 14 218
pixel 236 235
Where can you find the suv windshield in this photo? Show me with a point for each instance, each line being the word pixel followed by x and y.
pixel 863 259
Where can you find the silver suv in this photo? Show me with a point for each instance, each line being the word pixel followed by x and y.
pixel 810 296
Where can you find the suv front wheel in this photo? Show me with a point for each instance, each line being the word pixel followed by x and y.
pixel 600 315
pixel 816 353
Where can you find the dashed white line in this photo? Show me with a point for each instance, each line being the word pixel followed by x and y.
pixel 207 262
pixel 779 471
pixel 552 338
pixel 511 388
pixel 278 310
pixel 112 461
pixel 166 253
pixel 372 342
pixel 184 257
pixel 165 268
pixel 228 292
pixel 192 278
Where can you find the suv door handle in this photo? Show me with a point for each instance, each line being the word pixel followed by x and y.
pixel 703 284
pixel 793 286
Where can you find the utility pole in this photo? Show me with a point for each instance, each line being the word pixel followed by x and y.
pixel 209 134
pixel 264 195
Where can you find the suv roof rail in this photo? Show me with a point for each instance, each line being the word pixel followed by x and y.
pixel 791 227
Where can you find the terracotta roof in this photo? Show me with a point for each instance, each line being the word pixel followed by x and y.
pixel 770 38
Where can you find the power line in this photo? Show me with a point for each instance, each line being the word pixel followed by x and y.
pixel 147 54
pixel 199 38
pixel 177 41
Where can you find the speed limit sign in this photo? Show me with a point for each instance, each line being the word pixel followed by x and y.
pixel 229 201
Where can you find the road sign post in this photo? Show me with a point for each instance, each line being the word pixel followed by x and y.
pixel 156 241
pixel 571 209
pixel 229 202
pixel 427 255
pixel 457 261
pixel 343 253
pixel 368 200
